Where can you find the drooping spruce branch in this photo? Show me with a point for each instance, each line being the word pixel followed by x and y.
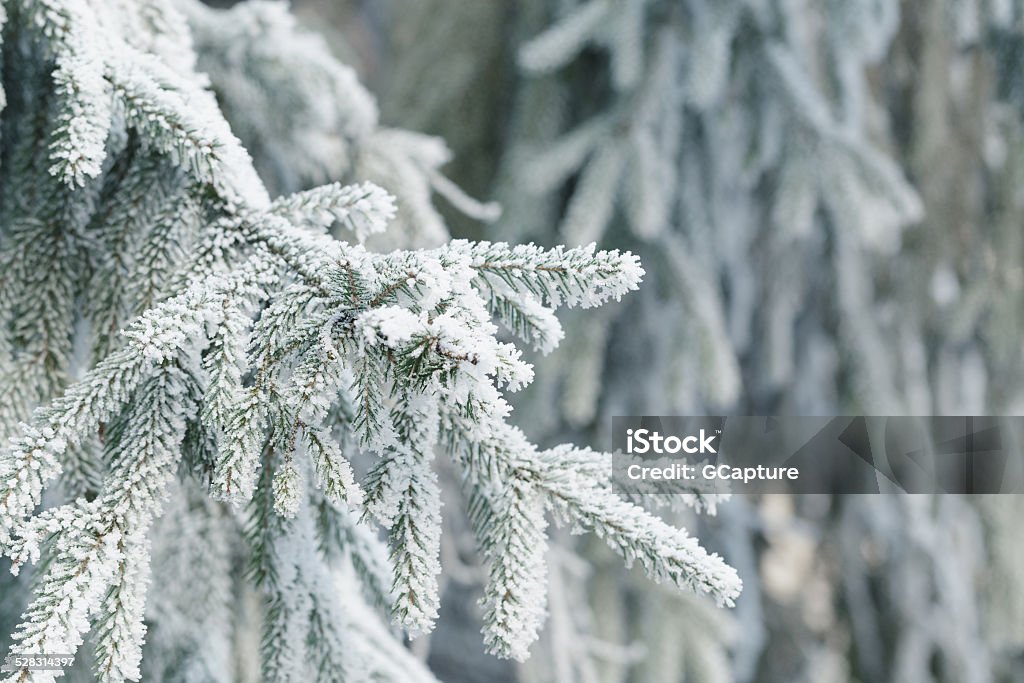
pixel 262 357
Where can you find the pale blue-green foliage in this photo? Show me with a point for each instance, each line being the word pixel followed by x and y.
pixel 169 330
pixel 825 196
pixel 719 130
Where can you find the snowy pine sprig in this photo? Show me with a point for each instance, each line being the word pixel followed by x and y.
pixel 362 209
pixel 513 483
pixel 261 359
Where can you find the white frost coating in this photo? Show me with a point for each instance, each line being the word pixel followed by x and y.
pixel 390 325
pixel 288 490
pixel 363 209
pixel 258 358
pixel 79 48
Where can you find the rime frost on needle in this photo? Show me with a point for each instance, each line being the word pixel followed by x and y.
pixel 257 359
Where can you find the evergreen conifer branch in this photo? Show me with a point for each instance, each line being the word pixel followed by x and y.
pixel 258 359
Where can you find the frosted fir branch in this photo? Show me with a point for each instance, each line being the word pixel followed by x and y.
pixel 306 634
pixel 147 439
pixel 59 616
pixel 453 352
pixel 175 115
pixel 33 459
pixel 78 147
pixel 171 112
pixel 279 320
pixel 665 553
pixel 295 597
pixel 159 334
pixel 363 209
pixel 192 594
pixel 289 489
pixel 120 630
pixel 331 658
pixel 40 263
pixel 390 326
pixel 224 363
pixel 410 502
pixel 505 512
pixel 82 469
pixel 244 440
pixel 510 528
pixel 90 538
pixel 509 478
pixel 71 33
pixel 372 423
pixel 333 472
pixel 525 316
pixel 319 378
pixel 154 266
pixel 580 276
pixel 317 372
pixel 283 646
pixel 424 349
pixel 426 278
pixel 262 526
pixel 178 324
pixel 309 255
pixel 404 494
pixel 145 187
pixel 237 467
pixel 164 118
pixel 407 339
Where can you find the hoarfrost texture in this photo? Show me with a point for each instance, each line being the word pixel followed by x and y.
pixel 217 386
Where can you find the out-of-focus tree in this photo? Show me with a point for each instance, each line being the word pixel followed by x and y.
pixel 827 196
